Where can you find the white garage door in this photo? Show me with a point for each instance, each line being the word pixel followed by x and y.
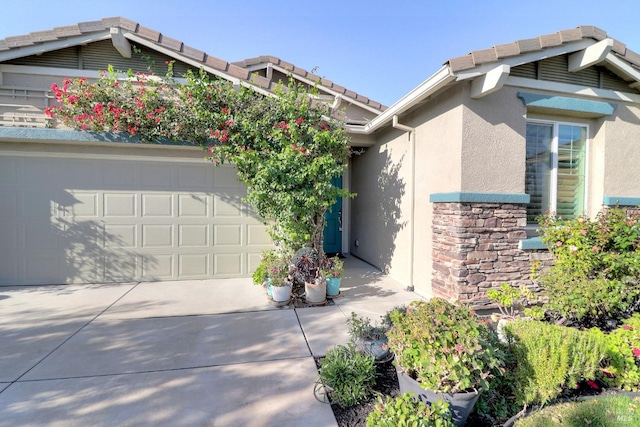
pixel 65 219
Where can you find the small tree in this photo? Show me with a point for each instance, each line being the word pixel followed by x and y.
pixel 287 147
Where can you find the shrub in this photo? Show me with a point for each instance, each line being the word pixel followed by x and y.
pixel 444 346
pixel 609 411
pixel 348 375
pixel 596 272
pixel 621 364
pixel 406 411
pixel 550 357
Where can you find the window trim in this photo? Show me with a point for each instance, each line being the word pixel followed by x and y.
pixel 553 193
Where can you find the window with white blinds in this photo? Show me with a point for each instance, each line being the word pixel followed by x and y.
pixel 555 169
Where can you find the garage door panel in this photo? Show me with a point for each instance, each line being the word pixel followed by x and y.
pixel 227 205
pixel 158 267
pixel 227 235
pixel 9 235
pixel 121 266
pixel 193 205
pixel 157 205
pixel 120 236
pixel 257 235
pixel 194 265
pixel 157 236
pixel 227 264
pixel 80 205
pixel 119 204
pixel 193 235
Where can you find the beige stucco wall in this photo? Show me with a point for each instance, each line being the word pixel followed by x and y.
pixel 381 213
pixel 493 147
pixel 622 153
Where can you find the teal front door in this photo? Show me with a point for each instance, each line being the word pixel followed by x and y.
pixel 333 224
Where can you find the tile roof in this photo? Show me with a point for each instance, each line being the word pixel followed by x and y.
pixel 498 52
pixel 237 70
pixel 301 72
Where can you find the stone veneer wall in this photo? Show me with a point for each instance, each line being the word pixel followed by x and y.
pixel 475 248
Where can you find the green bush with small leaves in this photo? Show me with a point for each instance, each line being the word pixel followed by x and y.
pixel 407 411
pixel 621 367
pixel 348 375
pixel 596 270
pixel 551 357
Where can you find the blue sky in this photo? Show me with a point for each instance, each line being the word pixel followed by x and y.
pixel 381 49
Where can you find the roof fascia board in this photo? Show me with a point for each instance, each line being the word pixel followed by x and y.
pixel 566 88
pixel 623 67
pixel 182 58
pixel 437 81
pixel 514 61
pixel 325 89
pixel 41 48
pixel 590 56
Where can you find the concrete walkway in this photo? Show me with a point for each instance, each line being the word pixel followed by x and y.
pixel 188 353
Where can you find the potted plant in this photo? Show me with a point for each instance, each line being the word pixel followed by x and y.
pixel 261 274
pixel 306 269
pixel 332 269
pixel 370 338
pixel 405 411
pixel 279 273
pixel 443 352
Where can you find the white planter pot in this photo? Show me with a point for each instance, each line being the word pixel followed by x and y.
pixel 316 293
pixel 281 293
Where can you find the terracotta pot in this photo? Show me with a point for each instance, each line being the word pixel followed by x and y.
pixel 460 404
pixel 316 293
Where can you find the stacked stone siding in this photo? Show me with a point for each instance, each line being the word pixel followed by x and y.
pixel 475 248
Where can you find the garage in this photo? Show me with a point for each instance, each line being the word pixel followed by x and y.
pixel 113 212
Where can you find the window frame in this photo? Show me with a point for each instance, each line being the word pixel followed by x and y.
pixel 553 191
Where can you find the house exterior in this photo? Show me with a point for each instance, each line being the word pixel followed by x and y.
pixel 466 161
pixel 448 185
pixel 77 207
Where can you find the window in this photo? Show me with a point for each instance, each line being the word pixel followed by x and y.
pixel 556 168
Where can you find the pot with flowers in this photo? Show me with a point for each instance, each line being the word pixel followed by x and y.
pixel 281 283
pixel 261 276
pixel 443 352
pixel 331 269
pixel 306 269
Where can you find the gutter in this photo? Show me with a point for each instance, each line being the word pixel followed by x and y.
pixel 433 84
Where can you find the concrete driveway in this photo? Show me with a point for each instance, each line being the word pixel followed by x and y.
pixel 188 353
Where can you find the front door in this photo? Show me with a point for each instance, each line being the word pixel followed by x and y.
pixel 333 224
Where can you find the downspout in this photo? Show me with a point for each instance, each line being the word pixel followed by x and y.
pixel 412 193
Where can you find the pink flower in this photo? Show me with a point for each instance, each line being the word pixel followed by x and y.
pixel 299 121
pixel 459 348
pixel 627 327
pixel 583 232
pixel 595 249
pixel 558 243
pixel 636 352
